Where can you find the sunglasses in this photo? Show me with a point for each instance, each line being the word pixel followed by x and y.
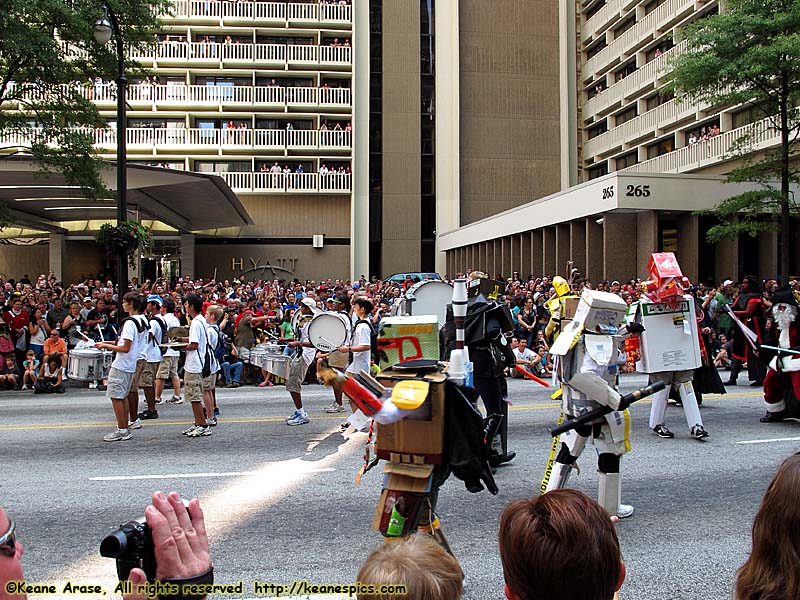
pixel 8 541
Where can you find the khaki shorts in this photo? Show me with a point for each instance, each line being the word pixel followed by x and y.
pixel 210 382
pixel 193 386
pixel 297 373
pixel 147 376
pixel 167 368
pixel 140 364
pixel 119 384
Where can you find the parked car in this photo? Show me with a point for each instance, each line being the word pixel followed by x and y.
pixel 415 277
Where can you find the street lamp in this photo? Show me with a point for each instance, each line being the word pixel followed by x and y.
pixel 104 28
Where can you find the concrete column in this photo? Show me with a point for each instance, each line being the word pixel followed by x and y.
pixel 577 241
pixel 505 256
pixel 726 252
pixel 526 240
pixel 537 252
pixel 488 266
pixel 619 244
pixel 593 269
pixel 187 255
pixel 688 253
pixel 513 259
pixel 646 240
pixel 58 252
pixel 768 254
pixel 563 247
pixel 550 262
pixel 359 201
pixel 448 195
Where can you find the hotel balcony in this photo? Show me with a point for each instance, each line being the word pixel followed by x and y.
pixel 711 151
pixel 262 56
pixel 289 183
pixel 641 81
pixel 215 141
pixel 148 97
pixel 276 14
pixel 648 28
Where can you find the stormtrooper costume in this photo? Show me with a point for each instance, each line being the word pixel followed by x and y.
pixel 784 370
pixel 588 352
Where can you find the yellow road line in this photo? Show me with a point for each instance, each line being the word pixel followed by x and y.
pixel 160 422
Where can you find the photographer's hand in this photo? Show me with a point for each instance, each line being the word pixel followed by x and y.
pixel 181 543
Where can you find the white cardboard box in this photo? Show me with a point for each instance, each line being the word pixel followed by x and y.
pixel 670 338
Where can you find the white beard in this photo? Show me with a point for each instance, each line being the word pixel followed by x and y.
pixel 783 319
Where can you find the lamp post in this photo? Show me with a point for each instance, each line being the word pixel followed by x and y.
pixel 104 27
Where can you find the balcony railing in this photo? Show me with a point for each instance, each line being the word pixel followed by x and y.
pixel 712 150
pixel 664 15
pixel 280 183
pixel 643 78
pixel 646 124
pixel 170 139
pixel 213 53
pixel 260 13
pixel 154 97
pixel 601 18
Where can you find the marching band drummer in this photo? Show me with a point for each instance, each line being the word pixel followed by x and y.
pixel 300 361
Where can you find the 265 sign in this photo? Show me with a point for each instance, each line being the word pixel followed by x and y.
pixel 637 191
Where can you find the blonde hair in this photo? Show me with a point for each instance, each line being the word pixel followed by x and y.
pixel 216 310
pixel 417 562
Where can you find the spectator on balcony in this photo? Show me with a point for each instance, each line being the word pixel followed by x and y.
pixel 324 86
pixel 335 43
pixel 323 170
pixel 348 128
pixel 324 126
pixel 264 168
pixel 275 169
pixel 703 134
pixel 346 43
pixel 713 131
pixel 347 170
pixel 692 138
pixel 272 83
pixel 228 39
pixel 658 52
pixel 289 126
pixel 337 127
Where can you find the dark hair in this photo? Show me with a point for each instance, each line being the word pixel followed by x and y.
pixel 134 299
pixel 754 283
pixel 770 572
pixel 195 301
pixel 169 305
pixel 544 538
pixel 364 303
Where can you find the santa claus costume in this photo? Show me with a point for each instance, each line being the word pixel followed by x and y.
pixel 784 368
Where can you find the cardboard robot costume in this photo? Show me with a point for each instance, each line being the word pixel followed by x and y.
pixel 670 344
pixel 589 352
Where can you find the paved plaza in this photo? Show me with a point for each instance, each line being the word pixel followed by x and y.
pixel 281 502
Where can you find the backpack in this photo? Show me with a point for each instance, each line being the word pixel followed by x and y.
pixel 164 336
pixel 140 327
pixel 219 351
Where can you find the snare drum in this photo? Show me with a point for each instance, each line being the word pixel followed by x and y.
pixel 429 297
pixel 329 330
pixel 277 365
pixel 88 364
pixel 258 356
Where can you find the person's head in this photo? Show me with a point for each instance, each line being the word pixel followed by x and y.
pixel 214 313
pixel 419 563
pixel 10 557
pixel 74 308
pixel 363 307
pixel 543 539
pixel 750 285
pixel 193 305
pixel 523 343
pixel 11 362
pixel 131 302
pixel 30 355
pixel 771 569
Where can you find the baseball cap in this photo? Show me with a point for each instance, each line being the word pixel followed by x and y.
pixel 155 299
pixel 727 282
pixel 309 303
pixel 87 299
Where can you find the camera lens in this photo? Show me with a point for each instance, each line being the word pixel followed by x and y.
pixel 114 545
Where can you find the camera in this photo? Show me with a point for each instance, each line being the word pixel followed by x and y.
pixel 131 546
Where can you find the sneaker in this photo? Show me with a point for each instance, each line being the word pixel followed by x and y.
pixel 199 432
pixel 624 511
pixel 298 418
pixel 235 384
pixel 148 414
pixel 188 430
pixel 212 422
pixel 118 435
pixel 92 385
pixel 663 432
pixel 160 401
pixel 175 400
pixel 24 387
pixel 216 411
pixel 137 424
pixel 334 408
pixel 698 433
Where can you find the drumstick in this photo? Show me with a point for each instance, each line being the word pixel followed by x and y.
pixel 327 341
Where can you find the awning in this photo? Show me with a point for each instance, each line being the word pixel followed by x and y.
pixel 187 201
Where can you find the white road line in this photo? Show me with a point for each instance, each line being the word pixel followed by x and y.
pixel 786 439
pixel 197 475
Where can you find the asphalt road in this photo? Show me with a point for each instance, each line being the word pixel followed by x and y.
pixel 281 502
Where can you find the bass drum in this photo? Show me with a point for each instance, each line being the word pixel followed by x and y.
pixel 329 330
pixel 429 297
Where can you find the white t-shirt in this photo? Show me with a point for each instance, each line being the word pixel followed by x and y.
pixel 126 361
pixel 197 333
pixel 527 355
pixel 213 340
pixel 361 337
pixel 308 353
pixel 152 351
pixel 144 338
pixel 172 321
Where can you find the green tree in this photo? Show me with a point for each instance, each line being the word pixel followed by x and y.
pixel 749 54
pixel 48 61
